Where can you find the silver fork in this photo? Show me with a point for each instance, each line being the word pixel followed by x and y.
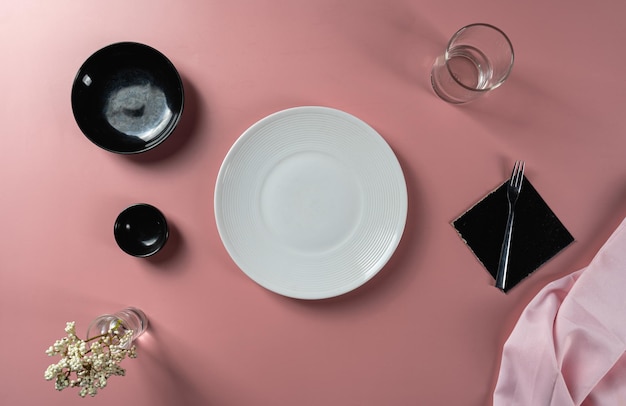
pixel 512 193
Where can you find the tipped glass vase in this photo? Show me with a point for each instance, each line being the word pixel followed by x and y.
pixel 119 323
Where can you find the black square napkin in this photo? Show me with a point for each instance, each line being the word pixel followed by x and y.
pixel 538 234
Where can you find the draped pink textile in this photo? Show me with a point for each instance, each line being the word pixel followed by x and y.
pixel 568 347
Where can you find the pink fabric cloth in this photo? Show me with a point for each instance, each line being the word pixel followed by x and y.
pixel 568 347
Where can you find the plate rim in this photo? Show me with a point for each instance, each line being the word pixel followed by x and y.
pixel 381 261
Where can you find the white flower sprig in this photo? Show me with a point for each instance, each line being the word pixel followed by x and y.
pixel 88 364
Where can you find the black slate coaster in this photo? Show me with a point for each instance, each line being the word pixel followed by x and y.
pixel 538 234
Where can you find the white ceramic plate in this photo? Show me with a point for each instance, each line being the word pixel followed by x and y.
pixel 310 202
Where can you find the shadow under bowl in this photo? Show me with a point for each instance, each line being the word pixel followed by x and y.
pixel 141 230
pixel 127 98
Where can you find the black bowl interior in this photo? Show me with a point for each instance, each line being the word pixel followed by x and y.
pixel 127 98
pixel 141 230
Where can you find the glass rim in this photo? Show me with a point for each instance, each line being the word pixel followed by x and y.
pixel 457 34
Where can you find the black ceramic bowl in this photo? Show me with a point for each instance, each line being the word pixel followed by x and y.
pixel 127 98
pixel 141 230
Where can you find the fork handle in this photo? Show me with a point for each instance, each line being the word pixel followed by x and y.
pixel 503 264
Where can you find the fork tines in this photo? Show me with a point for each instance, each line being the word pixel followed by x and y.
pixel 517 176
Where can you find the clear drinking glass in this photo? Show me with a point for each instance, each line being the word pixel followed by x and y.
pixel 478 59
pixel 129 318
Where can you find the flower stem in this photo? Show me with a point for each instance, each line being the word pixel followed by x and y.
pixel 96 337
pixel 118 323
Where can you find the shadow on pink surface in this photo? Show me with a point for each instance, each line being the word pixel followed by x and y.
pixel 173 250
pixel 169 381
pixel 535 112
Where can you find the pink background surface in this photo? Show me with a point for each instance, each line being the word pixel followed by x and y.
pixel 429 328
